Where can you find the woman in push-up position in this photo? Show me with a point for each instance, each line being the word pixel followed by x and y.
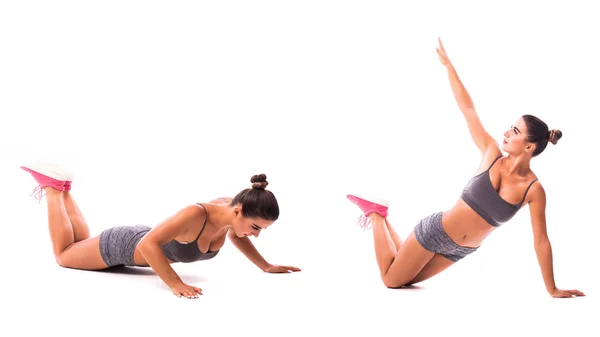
pixel 502 186
pixel 195 232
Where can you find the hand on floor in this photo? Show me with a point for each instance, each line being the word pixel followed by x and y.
pixel 272 268
pixel 185 290
pixel 557 293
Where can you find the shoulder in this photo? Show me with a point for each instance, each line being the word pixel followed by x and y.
pixel 537 210
pixel 536 193
pixel 198 209
pixel 192 212
pixel 221 200
pixel 177 224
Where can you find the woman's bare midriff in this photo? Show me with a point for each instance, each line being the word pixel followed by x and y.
pixel 465 227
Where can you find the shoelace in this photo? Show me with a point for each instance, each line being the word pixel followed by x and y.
pixel 38 193
pixel 364 222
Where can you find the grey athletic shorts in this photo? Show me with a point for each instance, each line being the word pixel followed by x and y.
pixel 117 244
pixel 431 235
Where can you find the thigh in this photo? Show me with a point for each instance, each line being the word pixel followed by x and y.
pixel 83 254
pixel 409 261
pixel 435 266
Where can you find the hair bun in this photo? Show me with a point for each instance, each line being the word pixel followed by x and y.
pixel 554 135
pixel 259 181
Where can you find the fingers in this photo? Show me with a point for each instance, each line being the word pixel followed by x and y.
pixel 189 292
pixel 442 56
pixel 193 292
pixel 575 292
pixel 441 53
pixel 283 269
pixel 287 269
pixel 569 293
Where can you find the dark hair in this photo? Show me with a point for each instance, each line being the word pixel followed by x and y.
pixel 257 202
pixel 538 133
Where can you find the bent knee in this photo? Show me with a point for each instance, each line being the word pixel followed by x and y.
pixel 392 283
pixel 62 261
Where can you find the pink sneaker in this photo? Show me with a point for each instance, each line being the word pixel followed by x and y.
pixel 368 206
pixel 47 175
pixel 70 178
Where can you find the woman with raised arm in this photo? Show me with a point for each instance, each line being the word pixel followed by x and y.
pixel 499 189
pixel 196 232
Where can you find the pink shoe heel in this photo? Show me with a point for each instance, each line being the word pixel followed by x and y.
pixel 46 175
pixel 69 181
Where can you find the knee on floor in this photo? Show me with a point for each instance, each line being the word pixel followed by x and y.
pixel 64 259
pixel 392 283
pixel 61 261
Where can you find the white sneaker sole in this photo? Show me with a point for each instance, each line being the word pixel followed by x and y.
pixel 379 201
pixel 51 170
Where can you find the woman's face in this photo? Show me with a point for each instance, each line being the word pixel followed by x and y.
pixel 243 226
pixel 515 139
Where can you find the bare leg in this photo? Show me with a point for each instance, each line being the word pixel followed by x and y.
pixel 84 254
pixel 393 234
pixel 61 230
pixel 385 248
pixel 435 266
pixel 81 231
pixel 397 267
pixel 432 268
pixel 400 263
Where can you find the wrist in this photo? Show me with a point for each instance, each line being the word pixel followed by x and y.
pixel 264 266
pixel 172 285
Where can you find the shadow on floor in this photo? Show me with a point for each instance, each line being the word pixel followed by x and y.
pixel 147 271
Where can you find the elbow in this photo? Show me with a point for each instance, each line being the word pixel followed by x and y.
pixel 467 107
pixel 145 245
pixel 542 243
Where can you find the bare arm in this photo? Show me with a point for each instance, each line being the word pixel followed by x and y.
pixel 543 248
pixel 483 140
pixel 541 243
pixel 245 246
pixel 169 229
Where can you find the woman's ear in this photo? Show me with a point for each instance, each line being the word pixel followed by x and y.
pixel 530 148
pixel 237 211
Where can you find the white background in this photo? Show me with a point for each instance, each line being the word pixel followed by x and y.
pixel 159 104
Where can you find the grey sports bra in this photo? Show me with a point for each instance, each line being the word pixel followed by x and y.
pixel 483 198
pixel 187 252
